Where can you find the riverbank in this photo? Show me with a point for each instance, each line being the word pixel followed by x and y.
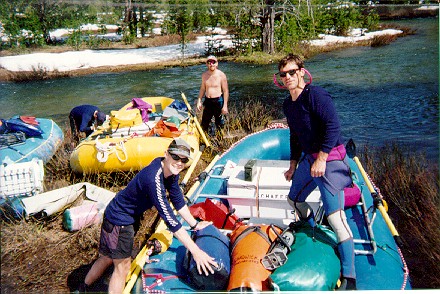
pixel 49 65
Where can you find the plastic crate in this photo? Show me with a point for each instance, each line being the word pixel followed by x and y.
pixel 21 179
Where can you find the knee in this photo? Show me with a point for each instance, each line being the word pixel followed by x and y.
pixel 338 222
pixel 122 267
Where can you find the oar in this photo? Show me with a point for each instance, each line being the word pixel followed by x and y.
pixel 138 263
pixel 199 128
pixel 351 151
pixel 202 176
pixel 190 170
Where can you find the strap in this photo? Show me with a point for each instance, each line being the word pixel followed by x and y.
pixel 249 230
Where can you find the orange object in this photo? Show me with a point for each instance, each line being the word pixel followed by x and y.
pixel 161 130
pixel 29 120
pixel 249 245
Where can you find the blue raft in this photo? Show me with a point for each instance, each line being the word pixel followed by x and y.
pixel 379 262
pixel 39 142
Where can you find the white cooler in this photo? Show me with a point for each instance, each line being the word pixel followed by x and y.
pixel 266 195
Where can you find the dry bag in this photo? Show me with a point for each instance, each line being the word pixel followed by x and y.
pixel 216 245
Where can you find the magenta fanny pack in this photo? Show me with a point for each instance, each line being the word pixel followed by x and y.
pixel 337 153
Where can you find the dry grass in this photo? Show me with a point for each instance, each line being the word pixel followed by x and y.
pixel 410 185
pixel 37 255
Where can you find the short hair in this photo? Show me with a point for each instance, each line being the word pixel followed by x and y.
pixel 291 58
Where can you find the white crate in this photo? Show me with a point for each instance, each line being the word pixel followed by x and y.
pixel 21 179
pixel 272 189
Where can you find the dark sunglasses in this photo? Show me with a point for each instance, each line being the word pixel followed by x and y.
pixel 291 72
pixel 211 62
pixel 177 158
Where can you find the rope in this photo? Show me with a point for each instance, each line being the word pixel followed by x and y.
pixel 158 282
pixel 107 148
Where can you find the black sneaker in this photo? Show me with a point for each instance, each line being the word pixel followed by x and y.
pixel 347 284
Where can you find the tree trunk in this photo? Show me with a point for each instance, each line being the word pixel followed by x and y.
pixel 267 22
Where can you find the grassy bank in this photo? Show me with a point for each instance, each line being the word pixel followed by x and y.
pixel 38 255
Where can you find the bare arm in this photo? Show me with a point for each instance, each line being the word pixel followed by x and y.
pixel 201 94
pixel 204 262
pixel 225 91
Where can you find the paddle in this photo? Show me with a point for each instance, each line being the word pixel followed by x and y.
pixel 190 170
pixel 378 201
pixel 201 178
pixel 199 128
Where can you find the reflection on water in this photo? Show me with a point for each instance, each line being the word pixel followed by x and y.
pixel 385 94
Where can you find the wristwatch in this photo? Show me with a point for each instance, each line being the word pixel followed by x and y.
pixel 193 227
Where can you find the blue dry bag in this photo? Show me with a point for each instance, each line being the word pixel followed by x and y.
pixel 216 245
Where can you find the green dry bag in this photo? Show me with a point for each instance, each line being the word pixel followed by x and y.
pixel 312 265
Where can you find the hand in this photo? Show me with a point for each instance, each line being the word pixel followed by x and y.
pixel 225 110
pixel 318 168
pixel 199 105
pixel 289 174
pixel 201 225
pixel 205 263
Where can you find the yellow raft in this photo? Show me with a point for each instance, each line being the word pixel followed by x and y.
pixel 126 143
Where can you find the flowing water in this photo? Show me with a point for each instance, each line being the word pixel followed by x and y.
pixel 383 95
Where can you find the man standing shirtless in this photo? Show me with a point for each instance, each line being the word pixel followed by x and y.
pixel 214 88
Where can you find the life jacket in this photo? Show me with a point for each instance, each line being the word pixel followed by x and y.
pixel 249 245
pixel 162 130
pixel 222 216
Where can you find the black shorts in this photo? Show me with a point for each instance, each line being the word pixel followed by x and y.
pixel 116 241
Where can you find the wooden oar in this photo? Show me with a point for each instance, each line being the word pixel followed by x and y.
pixel 190 170
pixel 138 263
pixel 199 128
pixel 202 176
pixel 351 151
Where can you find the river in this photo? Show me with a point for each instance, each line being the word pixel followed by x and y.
pixel 383 95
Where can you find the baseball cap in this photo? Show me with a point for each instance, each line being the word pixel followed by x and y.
pixel 179 147
pixel 211 57
pixel 100 117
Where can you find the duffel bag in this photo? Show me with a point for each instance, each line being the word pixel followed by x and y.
pixel 216 245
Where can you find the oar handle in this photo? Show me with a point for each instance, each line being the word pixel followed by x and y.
pixel 191 169
pixel 199 128
pixel 379 204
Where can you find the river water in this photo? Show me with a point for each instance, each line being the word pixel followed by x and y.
pixel 383 95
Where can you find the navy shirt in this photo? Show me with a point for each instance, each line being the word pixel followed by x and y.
pixel 147 189
pixel 83 115
pixel 313 122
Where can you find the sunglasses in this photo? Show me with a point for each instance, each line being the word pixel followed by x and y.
pixel 177 158
pixel 291 72
pixel 211 62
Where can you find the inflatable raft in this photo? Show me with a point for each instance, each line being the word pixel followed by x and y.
pixel 21 141
pixel 244 193
pixel 134 135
